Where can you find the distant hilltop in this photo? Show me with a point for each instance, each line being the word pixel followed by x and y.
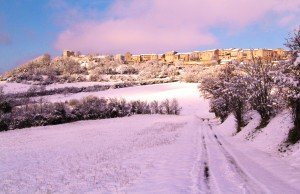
pixel 221 56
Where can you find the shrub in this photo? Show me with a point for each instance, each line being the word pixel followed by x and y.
pixel 90 107
pixel 4 122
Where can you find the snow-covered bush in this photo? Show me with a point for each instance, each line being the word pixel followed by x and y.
pixel 259 81
pixel 220 107
pixel 5 109
pixel 43 70
pixel 156 70
pixel 169 107
pixel 227 90
pixel 5 103
pixel 28 114
pixel 257 85
pixel 289 83
pixel 5 120
pixel 175 108
pixel 139 107
pixel 104 69
pixel 154 107
pixel 192 74
pixel 90 108
pixel 126 69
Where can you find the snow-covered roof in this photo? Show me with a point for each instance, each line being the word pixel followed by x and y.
pixel 228 49
pixel 101 56
pixel 183 53
pixel 263 49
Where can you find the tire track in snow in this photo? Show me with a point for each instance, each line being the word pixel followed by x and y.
pixel 206 171
pixel 249 185
pixel 201 171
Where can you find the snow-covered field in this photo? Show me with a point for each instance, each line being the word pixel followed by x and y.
pixel 190 153
pixel 14 87
pixel 186 93
pixel 19 87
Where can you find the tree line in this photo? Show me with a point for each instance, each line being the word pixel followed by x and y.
pixel 17 115
pixel 260 85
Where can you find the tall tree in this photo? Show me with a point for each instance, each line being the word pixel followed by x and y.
pixel 289 82
pixel 227 91
pixel 258 75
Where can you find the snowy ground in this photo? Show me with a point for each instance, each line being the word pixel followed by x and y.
pixel 190 153
pixel 186 93
pixel 19 87
pixel 14 87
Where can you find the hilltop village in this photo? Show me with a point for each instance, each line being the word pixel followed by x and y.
pixel 216 56
pixel 75 67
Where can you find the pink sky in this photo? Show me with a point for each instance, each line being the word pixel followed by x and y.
pixel 162 25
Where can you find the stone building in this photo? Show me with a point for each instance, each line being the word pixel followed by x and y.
pixel 68 53
pixel 182 57
pixel 225 54
pixel 195 56
pixel 119 58
pixel 128 57
pixel 161 57
pixel 263 54
pixel 241 55
pixel 136 58
pixel 210 55
pixel 236 54
pixel 154 57
pixel 247 54
pixel 148 57
pixel 170 56
pixel 282 54
pixel 221 56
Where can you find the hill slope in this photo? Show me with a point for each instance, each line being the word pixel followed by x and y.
pixel 191 153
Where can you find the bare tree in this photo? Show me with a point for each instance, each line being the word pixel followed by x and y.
pixel 289 82
pixel 227 91
pixel 293 42
pixel 259 83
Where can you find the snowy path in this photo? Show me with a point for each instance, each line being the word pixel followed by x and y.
pixel 230 170
pixel 141 154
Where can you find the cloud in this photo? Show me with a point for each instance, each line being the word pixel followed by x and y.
pixel 116 36
pixel 161 25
